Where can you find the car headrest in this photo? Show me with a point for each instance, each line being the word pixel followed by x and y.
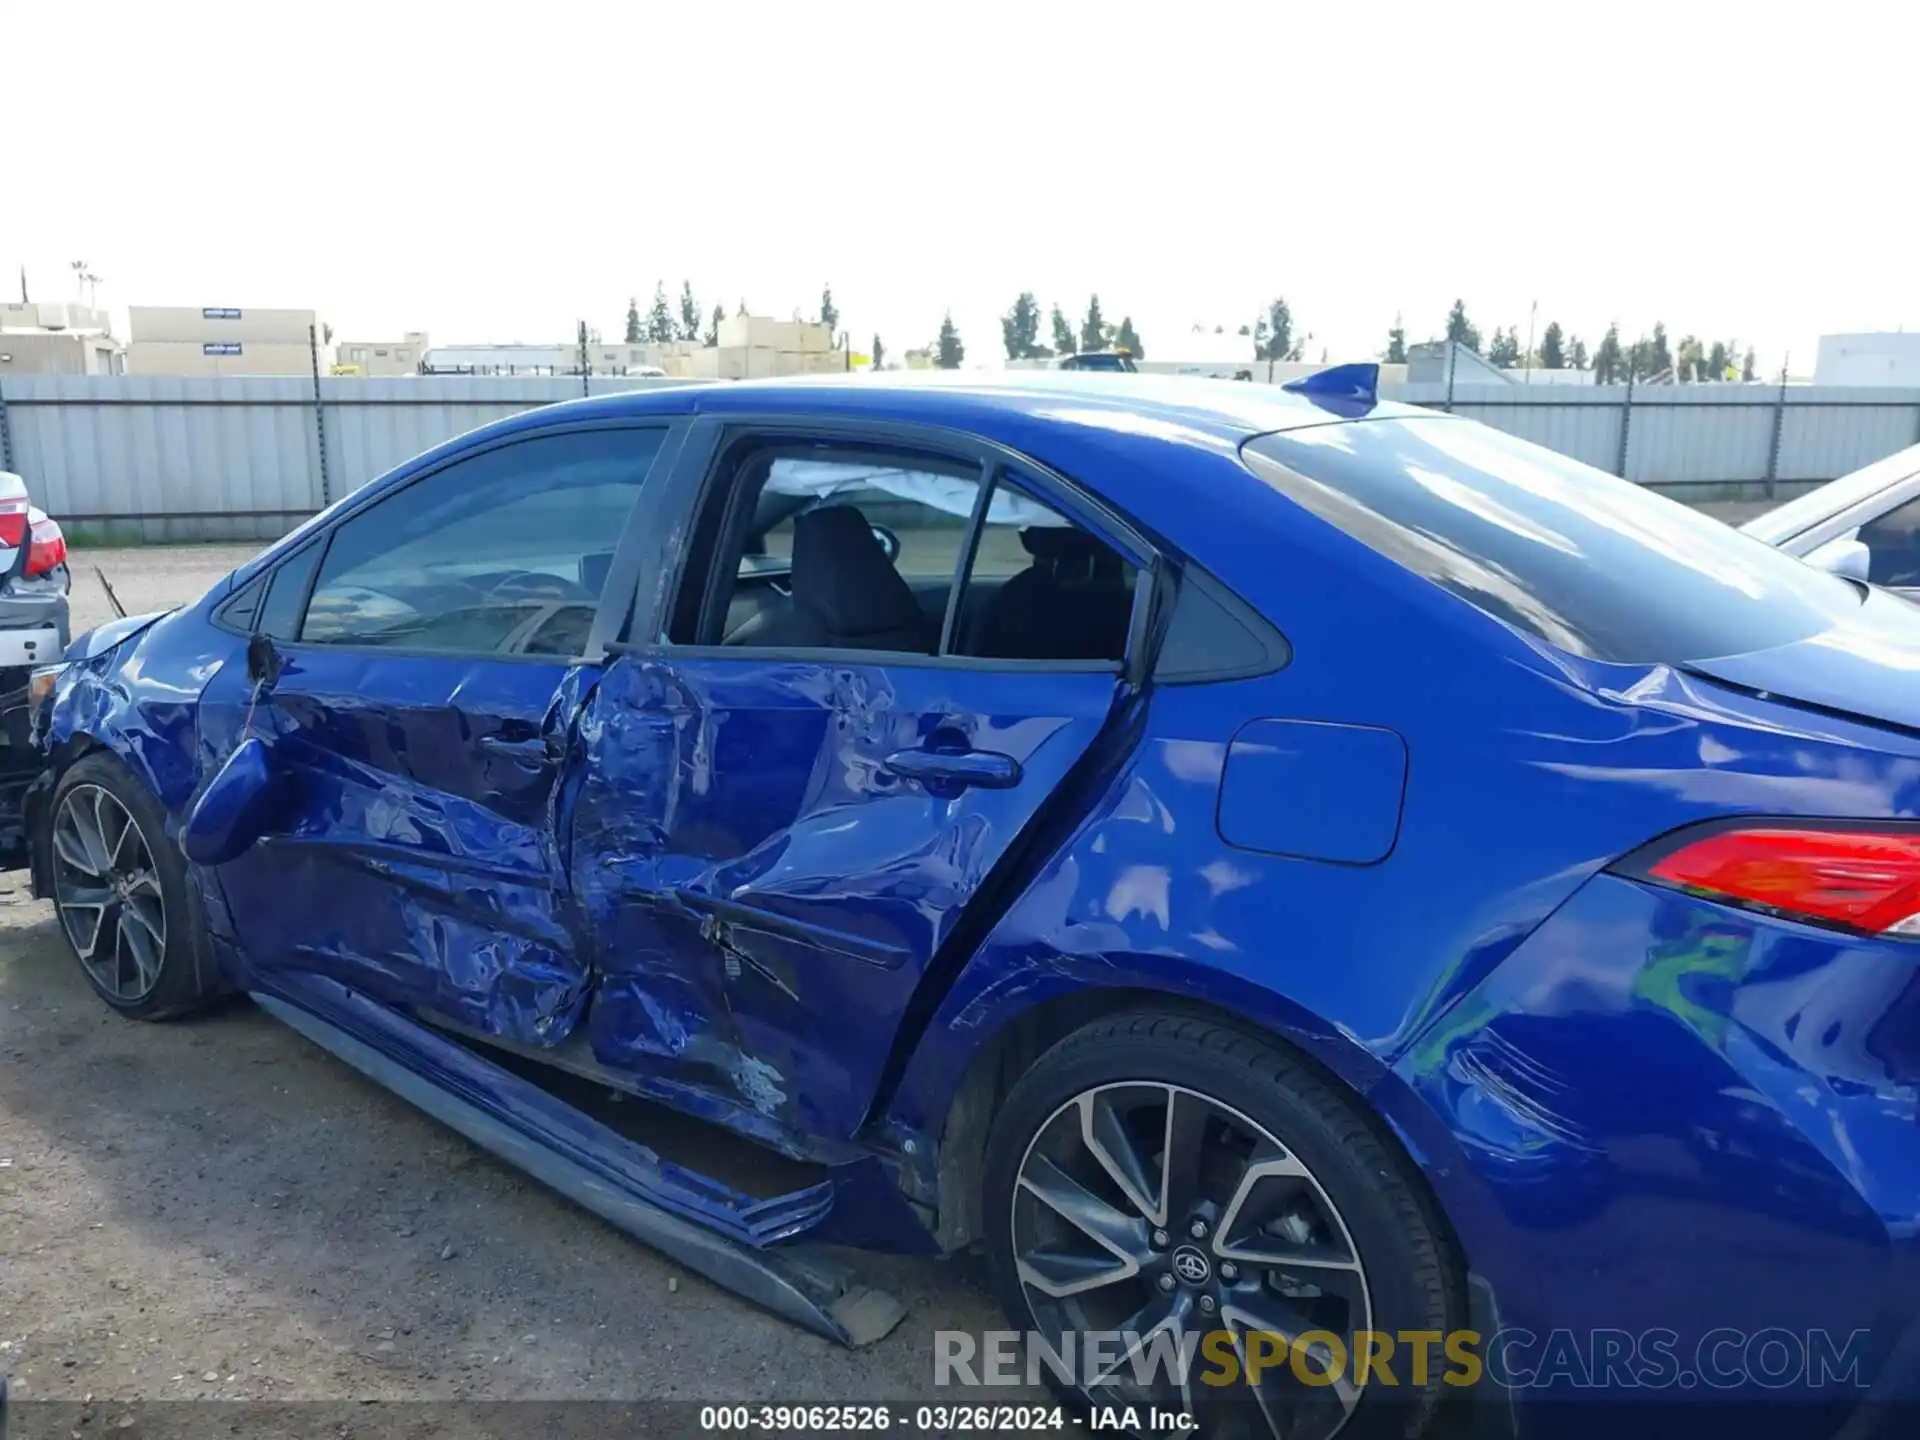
pixel 1069 553
pixel 842 576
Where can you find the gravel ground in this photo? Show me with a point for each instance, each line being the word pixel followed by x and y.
pixel 215 1208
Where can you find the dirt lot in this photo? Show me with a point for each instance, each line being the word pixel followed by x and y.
pixel 215 1208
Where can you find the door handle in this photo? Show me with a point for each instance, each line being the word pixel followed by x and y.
pixel 988 769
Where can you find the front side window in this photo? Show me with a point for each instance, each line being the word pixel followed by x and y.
pixel 1591 563
pixel 809 547
pixel 502 553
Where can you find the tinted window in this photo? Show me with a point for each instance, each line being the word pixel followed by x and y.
pixel 1591 563
pixel 1894 540
pixel 500 554
pixel 1041 587
pixel 286 591
pixel 848 549
pixel 237 611
pixel 855 547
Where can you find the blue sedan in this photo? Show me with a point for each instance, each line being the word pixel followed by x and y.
pixel 1280 874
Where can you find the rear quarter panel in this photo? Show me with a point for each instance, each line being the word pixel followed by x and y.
pixel 1526 773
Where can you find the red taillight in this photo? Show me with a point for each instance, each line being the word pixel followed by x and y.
pixel 13 522
pixel 48 548
pixel 1862 879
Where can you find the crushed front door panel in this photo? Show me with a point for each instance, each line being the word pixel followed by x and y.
pixel 419 865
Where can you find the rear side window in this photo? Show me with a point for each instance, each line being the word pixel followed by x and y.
pixel 1590 563
pixel 849 547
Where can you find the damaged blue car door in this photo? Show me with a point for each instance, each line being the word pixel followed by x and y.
pixel 428 654
pixel 874 659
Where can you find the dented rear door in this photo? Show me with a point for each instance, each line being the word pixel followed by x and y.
pixel 769 880
pixel 774 846
pixel 432 653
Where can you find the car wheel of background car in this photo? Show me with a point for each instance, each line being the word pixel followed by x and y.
pixel 1166 1176
pixel 121 892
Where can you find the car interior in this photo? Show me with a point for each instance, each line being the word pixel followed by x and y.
pixel 832 554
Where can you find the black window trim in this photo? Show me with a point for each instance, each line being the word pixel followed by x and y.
pixel 620 576
pixel 222 613
pixel 703 468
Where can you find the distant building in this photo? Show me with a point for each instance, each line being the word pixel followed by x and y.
pixel 555 359
pixel 381 357
pixel 57 339
pixel 751 347
pixel 1886 358
pixel 754 347
pixel 222 340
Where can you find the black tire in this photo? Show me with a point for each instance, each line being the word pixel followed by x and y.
pixel 187 978
pixel 1410 1276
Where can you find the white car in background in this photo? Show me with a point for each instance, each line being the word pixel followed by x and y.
pixel 1865 525
pixel 33 630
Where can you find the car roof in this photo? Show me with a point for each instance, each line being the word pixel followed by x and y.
pixel 1172 407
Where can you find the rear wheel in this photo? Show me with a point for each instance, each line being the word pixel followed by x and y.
pixel 1167 1178
pixel 121 892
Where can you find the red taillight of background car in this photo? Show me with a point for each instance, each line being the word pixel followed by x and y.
pixel 1860 878
pixel 13 522
pixel 47 547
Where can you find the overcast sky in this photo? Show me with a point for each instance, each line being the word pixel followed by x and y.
pixel 495 172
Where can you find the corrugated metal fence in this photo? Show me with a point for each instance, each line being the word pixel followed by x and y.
pixel 1723 442
pixel 125 458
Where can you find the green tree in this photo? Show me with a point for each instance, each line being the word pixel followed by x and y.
pixel 1461 330
pixel 1273 337
pixel 1747 370
pixel 1659 358
pixel 1093 329
pixel 712 337
pixel 689 312
pixel 829 316
pixel 1396 343
pixel 879 351
pixel 1691 358
pixel 1719 360
pixel 948 352
pixel 1503 351
pixel 1062 333
pixel 1553 350
pixel 634 333
pixel 660 318
pixel 1128 339
pixel 1020 327
pixel 1577 354
pixel 1609 364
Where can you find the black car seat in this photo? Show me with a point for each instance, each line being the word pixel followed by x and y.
pixel 1072 603
pixel 846 593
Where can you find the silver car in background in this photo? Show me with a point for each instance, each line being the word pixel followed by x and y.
pixel 1865 525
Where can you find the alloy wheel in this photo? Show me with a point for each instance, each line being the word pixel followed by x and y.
pixel 108 892
pixel 1164 1215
